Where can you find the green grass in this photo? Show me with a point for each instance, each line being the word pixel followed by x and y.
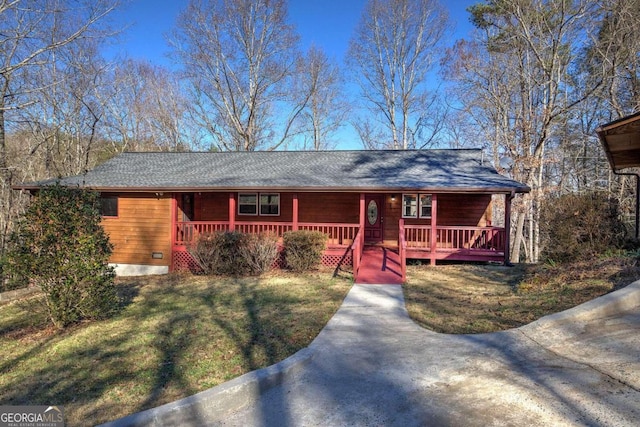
pixel 176 336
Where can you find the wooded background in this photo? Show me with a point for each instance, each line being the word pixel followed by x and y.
pixel 529 85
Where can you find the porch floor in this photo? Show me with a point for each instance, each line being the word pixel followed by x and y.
pixel 380 266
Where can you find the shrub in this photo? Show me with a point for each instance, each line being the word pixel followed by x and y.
pixel 60 246
pixel 206 254
pixel 303 249
pixel 220 253
pixel 260 252
pixel 579 226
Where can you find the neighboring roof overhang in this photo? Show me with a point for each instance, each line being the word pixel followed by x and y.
pixel 621 141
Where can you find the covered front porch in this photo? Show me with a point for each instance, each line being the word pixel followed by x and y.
pixel 389 220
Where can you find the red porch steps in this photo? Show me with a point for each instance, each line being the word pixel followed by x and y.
pixel 380 266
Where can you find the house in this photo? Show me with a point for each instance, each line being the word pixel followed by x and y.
pixel 426 204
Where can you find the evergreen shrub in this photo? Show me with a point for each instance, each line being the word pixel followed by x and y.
pixel 303 249
pixel 60 246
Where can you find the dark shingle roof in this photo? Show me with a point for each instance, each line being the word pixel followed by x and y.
pixel 444 170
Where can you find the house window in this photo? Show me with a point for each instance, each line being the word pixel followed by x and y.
pixel 109 206
pixel 270 204
pixel 416 205
pixel 425 206
pixel 247 204
pixel 264 204
pixel 409 206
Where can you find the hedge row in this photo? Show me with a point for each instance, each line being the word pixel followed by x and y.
pixel 238 254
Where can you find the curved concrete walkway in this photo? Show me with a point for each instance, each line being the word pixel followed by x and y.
pixel 372 366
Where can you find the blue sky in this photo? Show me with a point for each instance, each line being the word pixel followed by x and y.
pixel 326 23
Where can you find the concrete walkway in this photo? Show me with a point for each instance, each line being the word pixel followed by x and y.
pixel 372 366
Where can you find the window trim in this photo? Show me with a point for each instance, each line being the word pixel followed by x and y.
pixel 255 205
pixel 260 204
pixel 418 203
pixel 109 197
pixel 404 215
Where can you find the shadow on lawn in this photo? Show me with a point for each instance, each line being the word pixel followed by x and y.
pixel 94 375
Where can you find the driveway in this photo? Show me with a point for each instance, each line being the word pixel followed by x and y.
pixel 372 366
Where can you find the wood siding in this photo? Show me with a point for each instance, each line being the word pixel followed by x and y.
pixel 312 207
pixel 143 226
pixel 472 210
pixel 329 207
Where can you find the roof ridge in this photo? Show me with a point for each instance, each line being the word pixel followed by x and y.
pixel 424 150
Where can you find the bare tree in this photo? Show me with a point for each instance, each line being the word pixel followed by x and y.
pixel 240 57
pixel 517 79
pixel 320 86
pixel 393 50
pixel 31 32
pixel 145 109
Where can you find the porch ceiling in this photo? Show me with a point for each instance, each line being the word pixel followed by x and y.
pixel 621 141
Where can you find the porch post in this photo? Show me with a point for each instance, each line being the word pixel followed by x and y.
pixel 232 211
pixel 507 228
pixel 362 212
pixel 174 228
pixel 295 212
pixel 434 224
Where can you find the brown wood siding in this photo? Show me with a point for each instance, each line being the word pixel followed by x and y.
pixel 215 207
pixel 463 209
pixel 329 207
pixel 212 206
pixel 472 210
pixel 312 207
pixel 142 227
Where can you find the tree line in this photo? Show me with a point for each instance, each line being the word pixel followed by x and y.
pixel 531 84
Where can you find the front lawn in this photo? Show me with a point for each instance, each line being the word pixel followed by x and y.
pixel 177 335
pixel 468 299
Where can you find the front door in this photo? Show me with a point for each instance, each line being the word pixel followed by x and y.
pixel 373 222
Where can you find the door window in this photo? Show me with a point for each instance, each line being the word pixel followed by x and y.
pixel 372 212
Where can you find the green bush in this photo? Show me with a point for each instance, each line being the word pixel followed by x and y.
pixel 580 226
pixel 9 282
pixel 303 249
pixel 60 246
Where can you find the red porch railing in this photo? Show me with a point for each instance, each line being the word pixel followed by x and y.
pixel 338 235
pixel 456 238
pixel 188 231
pixel 277 228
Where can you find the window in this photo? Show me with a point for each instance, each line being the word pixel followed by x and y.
pixel 425 206
pixel 409 206
pixel 247 204
pixel 414 205
pixel 109 206
pixel 270 204
pixel 264 204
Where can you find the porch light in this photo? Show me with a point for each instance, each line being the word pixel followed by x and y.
pixel 393 197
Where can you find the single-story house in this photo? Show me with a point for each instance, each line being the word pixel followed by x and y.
pixel 427 204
